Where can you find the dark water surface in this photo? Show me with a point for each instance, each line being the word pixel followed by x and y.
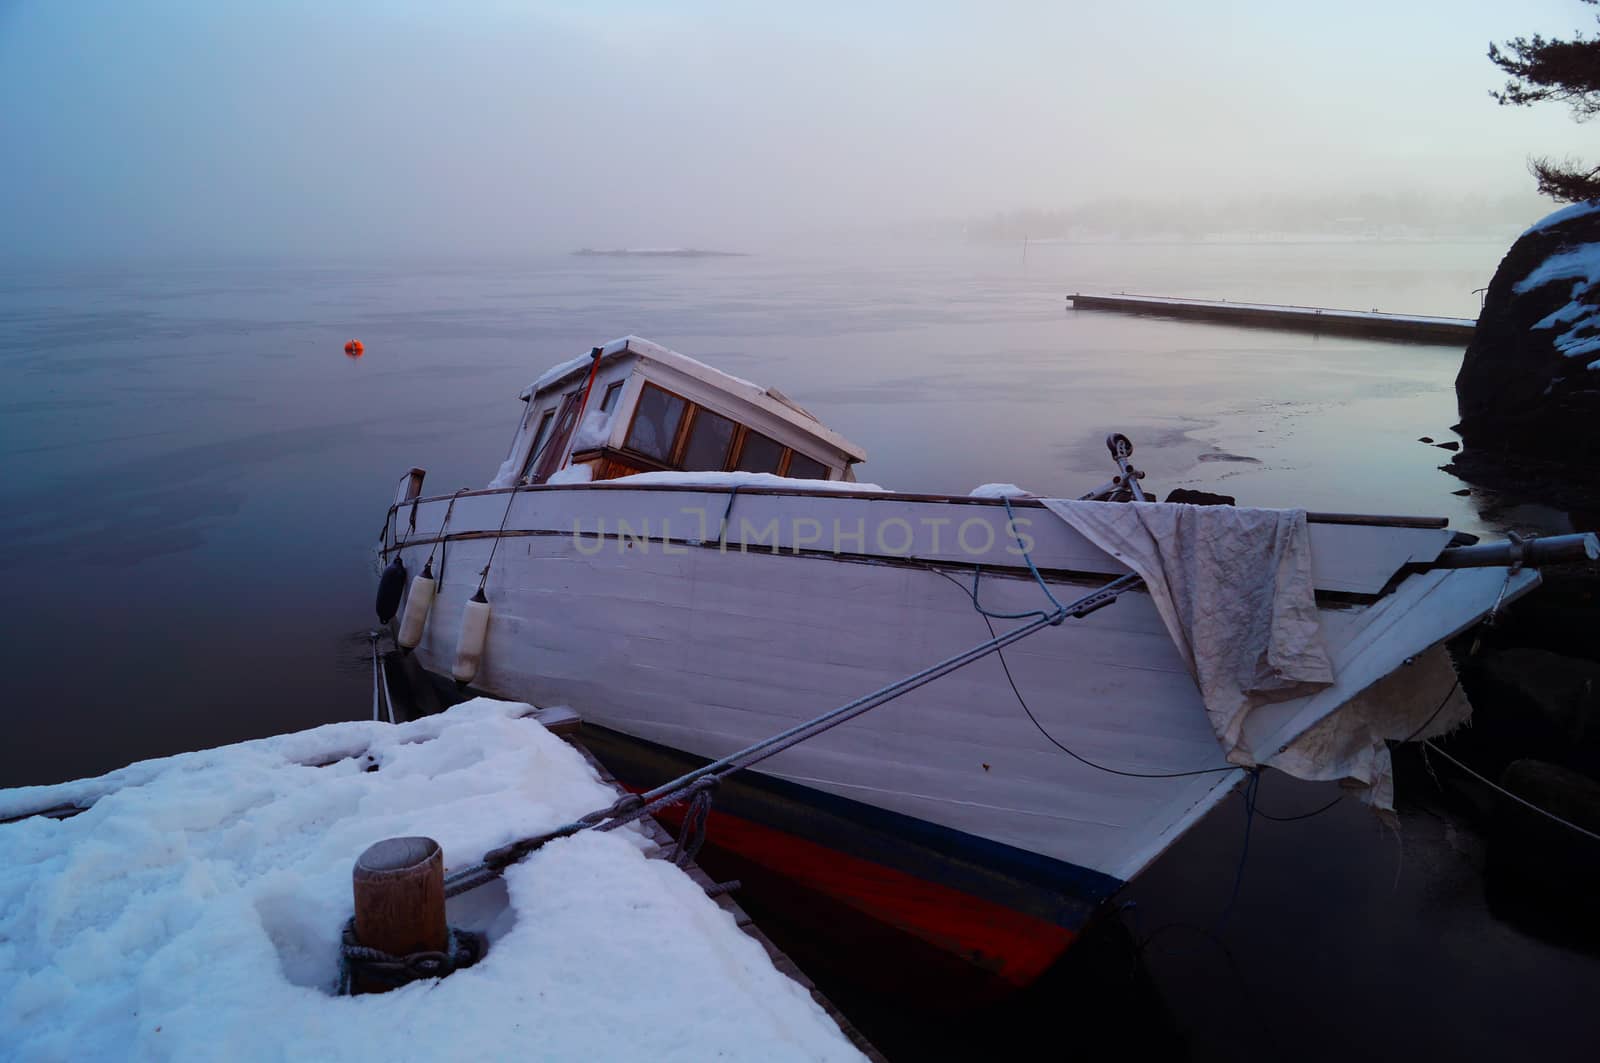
pixel 195 477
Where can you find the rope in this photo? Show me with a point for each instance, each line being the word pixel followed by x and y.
pixel 698 783
pixel 1435 714
pixel 722 536
pixel 390 541
pixel 1518 556
pixel 1011 522
pixel 793 736
pixel 1251 786
pixel 1006 668
pixel 564 431
pixel 1420 728
pixel 444 527
pixel 388 696
pixel 1303 815
pixel 373 638
pixel 692 835
pixel 1507 793
pixel 483 577
pixel 463 948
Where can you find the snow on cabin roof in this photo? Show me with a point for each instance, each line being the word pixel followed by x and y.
pixel 771 400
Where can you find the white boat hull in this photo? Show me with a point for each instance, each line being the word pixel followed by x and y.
pixel 704 646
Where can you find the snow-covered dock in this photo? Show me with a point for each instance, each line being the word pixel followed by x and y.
pixel 191 907
pixel 1453 331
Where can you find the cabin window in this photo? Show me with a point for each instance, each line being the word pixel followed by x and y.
pixel 539 439
pixel 655 423
pixel 759 454
pixel 804 468
pixel 609 399
pixel 706 450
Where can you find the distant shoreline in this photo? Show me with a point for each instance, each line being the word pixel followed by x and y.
pixel 658 252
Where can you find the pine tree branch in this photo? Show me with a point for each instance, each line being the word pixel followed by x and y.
pixel 1566 182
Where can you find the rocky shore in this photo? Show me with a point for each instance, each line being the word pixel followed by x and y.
pixel 1529 386
pixel 1529 399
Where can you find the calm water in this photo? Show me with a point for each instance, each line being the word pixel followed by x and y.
pixel 196 476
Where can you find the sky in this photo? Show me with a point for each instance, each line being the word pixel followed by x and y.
pixel 289 128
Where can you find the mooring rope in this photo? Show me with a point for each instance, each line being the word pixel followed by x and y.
pixel 389 538
pixel 388 696
pixel 722 535
pixel 444 525
pixel 483 577
pixel 697 786
pixel 463 948
pixel 701 780
pixel 986 614
pixel 692 834
pixel 373 638
pixel 1497 788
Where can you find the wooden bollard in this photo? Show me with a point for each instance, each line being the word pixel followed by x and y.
pixel 399 900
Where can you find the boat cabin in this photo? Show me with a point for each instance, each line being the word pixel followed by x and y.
pixel 650 409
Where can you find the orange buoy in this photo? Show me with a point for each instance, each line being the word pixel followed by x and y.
pixel 355 348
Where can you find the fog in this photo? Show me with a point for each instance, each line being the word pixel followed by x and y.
pixel 307 129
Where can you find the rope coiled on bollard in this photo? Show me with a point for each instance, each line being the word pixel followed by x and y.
pixel 463 949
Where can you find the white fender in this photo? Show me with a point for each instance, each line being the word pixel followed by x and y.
pixel 418 603
pixel 474 632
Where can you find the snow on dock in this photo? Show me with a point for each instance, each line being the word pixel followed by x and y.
pixel 193 909
pixel 1453 331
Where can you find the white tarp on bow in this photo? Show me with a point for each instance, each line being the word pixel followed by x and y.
pixel 1234 587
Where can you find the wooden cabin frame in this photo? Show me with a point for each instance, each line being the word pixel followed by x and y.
pixel 606 438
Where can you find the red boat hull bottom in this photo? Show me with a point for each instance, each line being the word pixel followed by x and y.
pixel 959 936
pixel 891 902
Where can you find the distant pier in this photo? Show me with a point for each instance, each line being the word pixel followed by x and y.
pixel 1454 331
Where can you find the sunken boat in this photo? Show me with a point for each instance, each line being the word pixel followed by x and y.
pixel 689 561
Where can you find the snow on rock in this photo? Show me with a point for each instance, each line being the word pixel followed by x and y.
pixel 1564 215
pixel 1000 491
pixel 1527 391
pixel 736 479
pixel 1581 265
pixel 194 911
